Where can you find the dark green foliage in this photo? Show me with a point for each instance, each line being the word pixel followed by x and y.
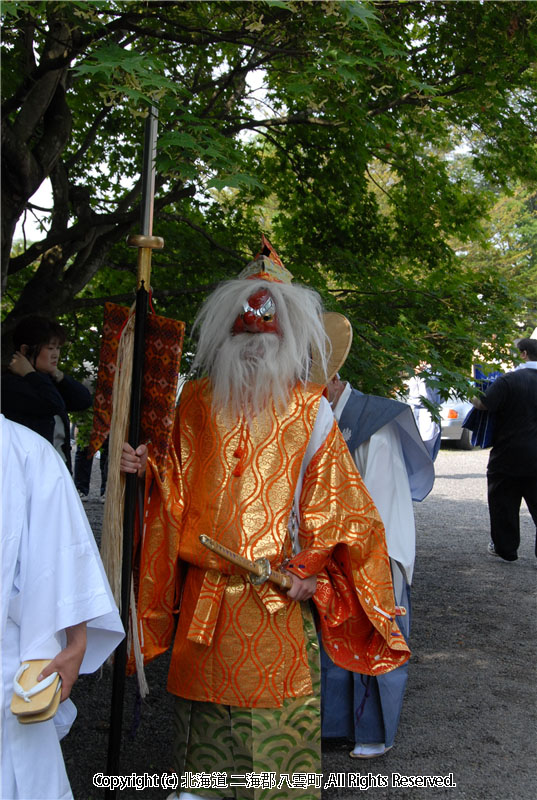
pixel 347 159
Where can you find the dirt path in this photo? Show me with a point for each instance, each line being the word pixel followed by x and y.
pixel 470 708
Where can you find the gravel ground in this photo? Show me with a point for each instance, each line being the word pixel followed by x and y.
pixel 470 707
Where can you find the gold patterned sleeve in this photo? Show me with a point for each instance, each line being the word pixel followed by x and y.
pixel 159 574
pixel 343 542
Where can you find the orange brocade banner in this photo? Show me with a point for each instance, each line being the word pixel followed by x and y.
pixel 163 348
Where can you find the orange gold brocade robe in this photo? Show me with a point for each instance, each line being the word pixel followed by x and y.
pixel 236 643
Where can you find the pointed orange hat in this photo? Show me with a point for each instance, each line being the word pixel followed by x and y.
pixel 266 266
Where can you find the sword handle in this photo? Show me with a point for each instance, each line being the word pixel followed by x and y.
pixel 256 568
pixel 279 578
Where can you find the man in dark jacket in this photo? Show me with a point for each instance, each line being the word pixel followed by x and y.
pixel 35 392
pixel 512 467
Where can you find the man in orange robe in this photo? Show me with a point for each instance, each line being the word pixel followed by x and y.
pixel 258 464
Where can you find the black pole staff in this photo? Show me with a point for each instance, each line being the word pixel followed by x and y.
pixel 145 242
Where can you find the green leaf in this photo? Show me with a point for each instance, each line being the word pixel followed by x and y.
pixel 176 139
pixel 236 181
pixel 358 10
pixel 287 6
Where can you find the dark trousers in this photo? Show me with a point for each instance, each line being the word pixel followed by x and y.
pixel 505 494
pixel 83 466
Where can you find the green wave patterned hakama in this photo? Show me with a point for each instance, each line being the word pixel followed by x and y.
pixel 253 753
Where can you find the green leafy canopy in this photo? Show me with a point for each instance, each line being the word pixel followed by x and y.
pixel 376 143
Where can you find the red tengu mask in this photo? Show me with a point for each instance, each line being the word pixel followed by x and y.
pixel 258 315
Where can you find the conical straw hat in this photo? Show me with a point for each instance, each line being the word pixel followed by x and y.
pixel 339 332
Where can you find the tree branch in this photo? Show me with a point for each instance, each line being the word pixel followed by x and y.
pixel 82 229
pixel 88 138
pixel 300 118
pixel 158 294
pixel 57 63
pixel 203 232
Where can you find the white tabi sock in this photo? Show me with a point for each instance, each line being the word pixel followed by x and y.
pixel 369 750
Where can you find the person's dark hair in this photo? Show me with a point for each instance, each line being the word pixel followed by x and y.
pixel 36 332
pixel 530 346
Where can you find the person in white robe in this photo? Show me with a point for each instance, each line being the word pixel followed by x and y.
pixel 55 604
pixel 396 468
pixel 421 387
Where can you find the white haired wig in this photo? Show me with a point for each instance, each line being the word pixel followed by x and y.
pixel 249 370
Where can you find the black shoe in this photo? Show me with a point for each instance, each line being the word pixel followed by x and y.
pixel 491 550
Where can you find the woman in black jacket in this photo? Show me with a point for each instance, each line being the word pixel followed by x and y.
pixel 35 392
